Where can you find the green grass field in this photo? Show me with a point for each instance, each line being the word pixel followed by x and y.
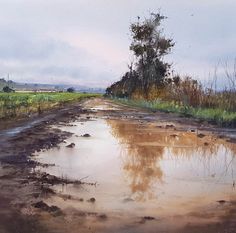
pixel 25 104
pixel 213 115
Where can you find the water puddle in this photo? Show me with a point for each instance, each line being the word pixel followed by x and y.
pixel 142 169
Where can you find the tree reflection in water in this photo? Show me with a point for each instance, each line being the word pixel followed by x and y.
pixel 147 146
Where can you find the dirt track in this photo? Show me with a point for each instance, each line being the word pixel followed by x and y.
pixel 29 201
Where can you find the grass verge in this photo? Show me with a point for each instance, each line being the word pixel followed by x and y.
pixel 25 104
pixel 212 115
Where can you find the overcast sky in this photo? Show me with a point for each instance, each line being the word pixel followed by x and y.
pixel 86 42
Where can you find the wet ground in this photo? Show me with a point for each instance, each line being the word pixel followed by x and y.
pixel 105 167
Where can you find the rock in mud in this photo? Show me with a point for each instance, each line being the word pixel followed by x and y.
pixel 72 145
pixel 201 135
pixel 92 200
pixel 102 216
pixel 169 126
pixel 43 206
pixel 221 202
pixel 148 218
pixel 86 135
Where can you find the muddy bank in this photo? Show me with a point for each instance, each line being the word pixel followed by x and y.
pixel 20 186
pixel 40 192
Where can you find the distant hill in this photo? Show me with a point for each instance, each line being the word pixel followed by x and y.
pixel 46 87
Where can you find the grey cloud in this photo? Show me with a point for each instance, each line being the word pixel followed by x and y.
pixel 34 43
pixel 26 47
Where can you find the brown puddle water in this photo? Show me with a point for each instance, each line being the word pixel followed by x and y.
pixel 141 169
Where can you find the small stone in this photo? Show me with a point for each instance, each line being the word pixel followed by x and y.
pixel 92 200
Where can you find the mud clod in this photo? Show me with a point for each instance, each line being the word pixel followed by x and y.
pixel 201 135
pixel 43 206
pixel 92 200
pixel 46 178
pixel 169 126
pixel 47 191
pixel 72 145
pixel 148 218
pixel 102 216
pixel 221 202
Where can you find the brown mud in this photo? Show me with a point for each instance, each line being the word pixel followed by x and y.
pixel 34 197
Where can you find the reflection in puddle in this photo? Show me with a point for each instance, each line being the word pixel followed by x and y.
pixel 144 169
pixel 160 156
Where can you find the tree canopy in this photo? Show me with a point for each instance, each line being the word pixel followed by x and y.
pixel 149 46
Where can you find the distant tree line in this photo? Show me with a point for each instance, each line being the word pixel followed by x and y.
pixel 7 89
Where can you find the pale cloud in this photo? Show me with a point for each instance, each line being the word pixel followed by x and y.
pixel 87 41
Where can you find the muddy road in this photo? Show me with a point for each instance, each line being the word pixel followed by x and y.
pixel 99 166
